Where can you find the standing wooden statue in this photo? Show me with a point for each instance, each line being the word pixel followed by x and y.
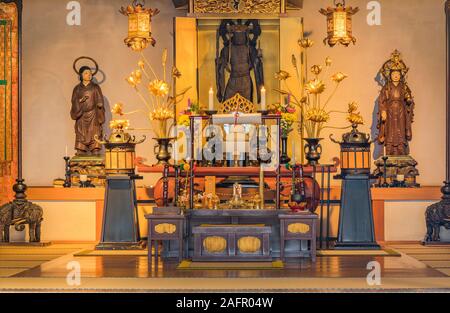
pixel 88 111
pixel 396 108
pixel 395 118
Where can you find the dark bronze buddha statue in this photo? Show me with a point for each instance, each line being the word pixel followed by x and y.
pixel 239 56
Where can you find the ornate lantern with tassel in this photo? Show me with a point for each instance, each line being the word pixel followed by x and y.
pixel 139 25
pixel 120 147
pixel 355 152
pixel 120 153
pixel 120 229
pixel 356 225
pixel 339 24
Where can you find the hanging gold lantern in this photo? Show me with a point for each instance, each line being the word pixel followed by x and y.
pixel 139 25
pixel 339 24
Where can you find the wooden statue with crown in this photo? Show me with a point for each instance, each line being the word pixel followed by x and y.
pixel 395 119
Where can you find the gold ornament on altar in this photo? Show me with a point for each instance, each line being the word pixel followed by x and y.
pixel 249 244
pixel 165 228
pixel 215 244
pixel 139 25
pixel 237 6
pixel 339 24
pixel 237 104
pixel 298 228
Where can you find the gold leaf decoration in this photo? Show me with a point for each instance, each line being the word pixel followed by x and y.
pixel 249 244
pixel 237 104
pixel 165 228
pixel 214 244
pixel 232 6
pixel 298 228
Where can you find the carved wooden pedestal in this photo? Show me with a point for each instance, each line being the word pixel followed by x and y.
pixel 92 166
pixel 299 226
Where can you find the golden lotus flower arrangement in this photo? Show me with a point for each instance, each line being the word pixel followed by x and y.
pixel 313 112
pixel 355 118
pixel 282 75
pixel 119 123
pixel 317 116
pixel 316 69
pixel 352 107
pixel 338 77
pixel 117 109
pixel 158 88
pixel 315 86
pixel 158 101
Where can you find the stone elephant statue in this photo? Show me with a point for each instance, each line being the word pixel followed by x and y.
pixel 18 213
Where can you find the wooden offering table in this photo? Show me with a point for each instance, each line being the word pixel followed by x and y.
pixel 232 242
pixel 165 227
pixel 262 224
pixel 298 226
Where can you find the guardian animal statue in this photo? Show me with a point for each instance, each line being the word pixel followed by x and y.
pixel 438 215
pixel 18 213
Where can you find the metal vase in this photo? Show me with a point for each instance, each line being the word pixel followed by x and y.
pixel 313 150
pixel 162 150
pixel 284 158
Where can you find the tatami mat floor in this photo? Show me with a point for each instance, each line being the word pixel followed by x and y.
pixel 45 269
pixel 437 257
pixel 16 259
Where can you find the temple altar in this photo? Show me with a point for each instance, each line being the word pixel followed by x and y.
pixel 250 139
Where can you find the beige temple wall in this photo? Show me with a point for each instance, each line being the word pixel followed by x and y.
pixel 49 48
pixel 415 27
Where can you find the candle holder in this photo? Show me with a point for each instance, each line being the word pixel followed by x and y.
pixel 68 180
pixel 385 183
pixel 166 185
pixel 298 202
pixel 211 113
pixel 263 112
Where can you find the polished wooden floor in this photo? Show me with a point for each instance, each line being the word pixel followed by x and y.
pixel 404 266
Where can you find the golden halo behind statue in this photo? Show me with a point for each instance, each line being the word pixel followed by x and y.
pixel 85 58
